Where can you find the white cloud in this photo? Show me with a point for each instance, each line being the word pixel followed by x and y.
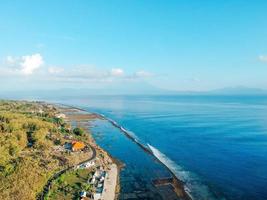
pixel 143 74
pixel 117 72
pixel 27 65
pixel 55 70
pixel 24 65
pixel 92 74
pixel 31 63
pixel 263 58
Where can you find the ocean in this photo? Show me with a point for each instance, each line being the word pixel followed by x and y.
pixel 217 145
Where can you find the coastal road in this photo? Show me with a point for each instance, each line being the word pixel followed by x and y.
pixel 47 186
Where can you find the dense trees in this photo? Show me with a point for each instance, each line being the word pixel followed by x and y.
pixel 24 168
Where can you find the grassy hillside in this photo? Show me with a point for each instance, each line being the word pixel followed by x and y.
pixel 29 133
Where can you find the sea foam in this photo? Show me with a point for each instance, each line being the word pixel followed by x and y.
pixel 194 187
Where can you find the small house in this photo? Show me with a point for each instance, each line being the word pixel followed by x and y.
pixel 77 146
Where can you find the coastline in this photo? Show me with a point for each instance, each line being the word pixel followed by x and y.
pixel 112 185
pixel 56 155
pixel 179 186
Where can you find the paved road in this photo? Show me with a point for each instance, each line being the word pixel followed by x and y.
pixel 109 190
pixel 56 175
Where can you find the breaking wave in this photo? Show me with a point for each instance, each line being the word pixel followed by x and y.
pixel 194 187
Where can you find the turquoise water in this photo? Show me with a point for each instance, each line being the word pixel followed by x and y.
pixel 216 144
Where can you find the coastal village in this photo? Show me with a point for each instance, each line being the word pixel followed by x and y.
pixel 53 147
pixel 103 172
pixel 100 182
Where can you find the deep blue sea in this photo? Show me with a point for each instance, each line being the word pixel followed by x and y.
pixel 216 144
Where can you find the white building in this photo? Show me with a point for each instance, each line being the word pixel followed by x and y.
pixel 61 115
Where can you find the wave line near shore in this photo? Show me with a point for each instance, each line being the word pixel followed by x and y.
pixel 189 187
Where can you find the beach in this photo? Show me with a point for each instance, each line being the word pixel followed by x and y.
pixel 80 118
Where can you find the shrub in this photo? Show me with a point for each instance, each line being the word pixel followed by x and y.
pixel 57 142
pixel 58 121
pixel 78 131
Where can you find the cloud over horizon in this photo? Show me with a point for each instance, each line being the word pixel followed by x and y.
pixel 32 70
pixel 263 58
pixel 25 65
pixel 31 63
pixel 117 72
pixel 94 74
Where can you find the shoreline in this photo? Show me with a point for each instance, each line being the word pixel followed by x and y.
pixel 55 155
pixel 112 164
pixel 179 185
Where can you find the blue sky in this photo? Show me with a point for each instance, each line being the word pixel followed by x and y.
pixel 174 45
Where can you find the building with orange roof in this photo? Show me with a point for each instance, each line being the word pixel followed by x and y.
pixel 77 146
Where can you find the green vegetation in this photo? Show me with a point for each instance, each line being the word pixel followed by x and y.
pixel 29 131
pixel 78 131
pixel 70 184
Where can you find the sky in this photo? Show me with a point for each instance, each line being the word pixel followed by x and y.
pixel 176 45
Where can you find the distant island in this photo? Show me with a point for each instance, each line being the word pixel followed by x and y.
pixel 46 152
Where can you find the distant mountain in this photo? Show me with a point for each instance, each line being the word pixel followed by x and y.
pixel 239 91
pixel 121 89
pixel 134 88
